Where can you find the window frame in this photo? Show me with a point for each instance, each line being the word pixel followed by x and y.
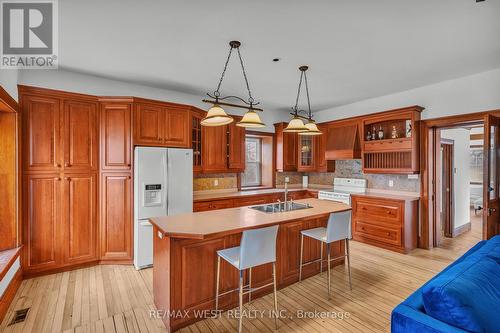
pixel 259 163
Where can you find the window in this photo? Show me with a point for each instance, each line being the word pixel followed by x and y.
pixel 476 164
pixel 253 169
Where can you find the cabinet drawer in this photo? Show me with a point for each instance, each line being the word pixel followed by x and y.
pixel 252 201
pixel 212 205
pixel 381 211
pixel 382 234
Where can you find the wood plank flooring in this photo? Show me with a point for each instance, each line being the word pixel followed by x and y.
pixel 119 298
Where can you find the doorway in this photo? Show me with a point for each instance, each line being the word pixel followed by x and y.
pixel 472 206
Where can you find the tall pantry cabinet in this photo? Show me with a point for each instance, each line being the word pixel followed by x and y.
pixel 60 145
pixel 76 180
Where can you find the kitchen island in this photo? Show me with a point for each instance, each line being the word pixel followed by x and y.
pixel 184 256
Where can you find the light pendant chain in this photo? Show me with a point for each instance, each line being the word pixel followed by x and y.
pixel 217 92
pixel 250 98
pixel 307 93
pixel 298 93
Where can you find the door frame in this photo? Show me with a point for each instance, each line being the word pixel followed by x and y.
pixel 428 130
pixel 449 204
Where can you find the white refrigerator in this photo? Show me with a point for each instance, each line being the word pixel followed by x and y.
pixel 163 185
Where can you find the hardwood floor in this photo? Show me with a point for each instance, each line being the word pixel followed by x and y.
pixel 119 298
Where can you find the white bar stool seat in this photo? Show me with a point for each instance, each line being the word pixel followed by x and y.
pixel 258 247
pixel 338 228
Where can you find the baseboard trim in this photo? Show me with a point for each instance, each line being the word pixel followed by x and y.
pixel 10 293
pixel 460 230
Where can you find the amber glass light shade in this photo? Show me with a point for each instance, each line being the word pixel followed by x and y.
pixel 216 116
pixel 251 119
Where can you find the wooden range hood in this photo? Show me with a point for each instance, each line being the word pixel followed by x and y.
pixel 343 142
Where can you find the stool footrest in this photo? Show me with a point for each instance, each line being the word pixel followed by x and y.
pixel 318 260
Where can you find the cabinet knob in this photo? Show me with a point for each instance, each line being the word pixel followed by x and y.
pixel 388 233
pixel 67 178
pixel 129 164
pixel 58 165
pixel 57 178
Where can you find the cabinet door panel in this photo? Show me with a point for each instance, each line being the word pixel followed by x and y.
pixel 41 214
pixel 42 133
pixel 116 219
pixel 236 142
pixel 80 135
pixel 149 124
pixel 177 128
pixel 306 152
pixel 80 218
pixel 214 148
pixel 116 138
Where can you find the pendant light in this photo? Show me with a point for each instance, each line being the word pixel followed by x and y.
pixel 216 115
pixel 296 125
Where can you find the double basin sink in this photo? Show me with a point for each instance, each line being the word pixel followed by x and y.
pixel 280 207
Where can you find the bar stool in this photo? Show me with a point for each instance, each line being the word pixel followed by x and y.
pixel 338 228
pixel 258 247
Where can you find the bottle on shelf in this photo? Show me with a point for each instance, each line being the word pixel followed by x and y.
pixel 380 133
pixel 368 136
pixel 374 135
pixel 394 133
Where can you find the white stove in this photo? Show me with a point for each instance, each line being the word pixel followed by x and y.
pixel 342 189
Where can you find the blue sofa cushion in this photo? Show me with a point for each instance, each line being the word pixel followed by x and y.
pixel 491 249
pixel 467 296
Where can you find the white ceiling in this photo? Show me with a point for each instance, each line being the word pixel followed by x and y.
pixel 356 49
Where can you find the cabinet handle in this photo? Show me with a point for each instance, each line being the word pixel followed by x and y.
pixel 129 177
pixel 57 178
pixel 388 233
pixel 58 165
pixel 129 164
pixel 67 178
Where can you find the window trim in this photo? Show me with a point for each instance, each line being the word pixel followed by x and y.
pixel 253 185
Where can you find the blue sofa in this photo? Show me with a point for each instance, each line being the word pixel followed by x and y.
pixel 464 297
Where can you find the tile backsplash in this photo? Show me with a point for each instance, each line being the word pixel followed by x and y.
pixel 207 182
pixel 353 169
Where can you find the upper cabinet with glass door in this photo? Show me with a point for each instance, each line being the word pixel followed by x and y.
pixel 306 153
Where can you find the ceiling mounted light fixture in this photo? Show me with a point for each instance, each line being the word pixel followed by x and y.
pixel 216 115
pixel 296 125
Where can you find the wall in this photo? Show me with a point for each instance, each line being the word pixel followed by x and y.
pixel 478 92
pixel 88 84
pixel 8 80
pixel 461 177
pixel 353 169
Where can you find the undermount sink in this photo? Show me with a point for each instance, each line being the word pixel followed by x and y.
pixel 279 207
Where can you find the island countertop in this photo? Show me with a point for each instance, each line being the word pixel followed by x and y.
pixel 202 225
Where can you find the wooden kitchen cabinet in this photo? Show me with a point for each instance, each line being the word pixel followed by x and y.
pixel 116 135
pixel 177 130
pixel 399 155
pixel 306 152
pixel 42 222
pixel 196 139
pixel 79 223
pixel 236 146
pixel 116 217
pixel 285 148
pixel 81 140
pixel 385 221
pixel 162 124
pixel 41 133
pixel 214 148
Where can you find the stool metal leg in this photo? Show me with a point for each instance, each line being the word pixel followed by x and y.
pixel 240 323
pixel 217 285
pixel 250 285
pixel 348 261
pixel 321 257
pixel 301 253
pixel 328 263
pixel 275 297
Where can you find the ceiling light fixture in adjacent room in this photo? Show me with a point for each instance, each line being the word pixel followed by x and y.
pixel 216 115
pixel 296 125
